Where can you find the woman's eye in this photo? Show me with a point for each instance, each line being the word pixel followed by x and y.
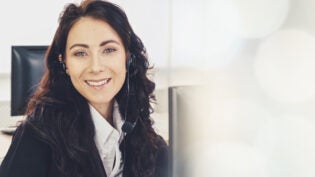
pixel 80 54
pixel 109 50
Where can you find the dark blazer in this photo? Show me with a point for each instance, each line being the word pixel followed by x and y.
pixel 28 156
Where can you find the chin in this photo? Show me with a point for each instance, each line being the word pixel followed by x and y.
pixel 102 100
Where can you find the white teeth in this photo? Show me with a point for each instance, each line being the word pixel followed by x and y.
pixel 95 84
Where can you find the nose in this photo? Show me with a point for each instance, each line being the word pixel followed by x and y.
pixel 96 65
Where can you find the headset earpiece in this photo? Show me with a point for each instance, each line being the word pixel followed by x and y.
pixel 130 61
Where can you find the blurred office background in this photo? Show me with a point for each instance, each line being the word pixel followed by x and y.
pixel 255 61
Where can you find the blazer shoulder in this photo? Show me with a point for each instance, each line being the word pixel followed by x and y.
pixel 27 154
pixel 162 159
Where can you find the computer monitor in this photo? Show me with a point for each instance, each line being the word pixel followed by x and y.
pixel 188 115
pixel 26 71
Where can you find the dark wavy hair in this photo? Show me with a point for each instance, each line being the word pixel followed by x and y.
pixel 61 116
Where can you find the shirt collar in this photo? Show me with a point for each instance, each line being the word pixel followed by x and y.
pixel 102 128
pixel 118 121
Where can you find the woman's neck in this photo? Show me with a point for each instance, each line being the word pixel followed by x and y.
pixel 106 110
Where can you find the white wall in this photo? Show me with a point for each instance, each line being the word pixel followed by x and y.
pixel 26 23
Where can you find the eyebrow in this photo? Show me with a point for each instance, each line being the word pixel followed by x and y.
pixel 109 41
pixel 102 44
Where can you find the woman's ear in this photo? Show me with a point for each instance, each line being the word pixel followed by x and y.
pixel 65 68
pixel 67 71
pixel 63 64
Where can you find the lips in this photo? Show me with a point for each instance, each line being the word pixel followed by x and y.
pixel 97 83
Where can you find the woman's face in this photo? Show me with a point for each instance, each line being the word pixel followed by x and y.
pixel 95 61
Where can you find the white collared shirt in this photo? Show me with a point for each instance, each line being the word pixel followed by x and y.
pixel 108 139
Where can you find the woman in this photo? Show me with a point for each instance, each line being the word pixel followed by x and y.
pixel 94 86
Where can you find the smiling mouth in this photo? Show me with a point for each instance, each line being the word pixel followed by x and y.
pixel 97 83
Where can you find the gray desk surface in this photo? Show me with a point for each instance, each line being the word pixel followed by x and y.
pixel 5 141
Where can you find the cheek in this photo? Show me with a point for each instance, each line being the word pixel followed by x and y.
pixel 121 73
pixel 74 69
pixel 119 66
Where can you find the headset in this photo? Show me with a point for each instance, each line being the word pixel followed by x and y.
pixel 128 126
